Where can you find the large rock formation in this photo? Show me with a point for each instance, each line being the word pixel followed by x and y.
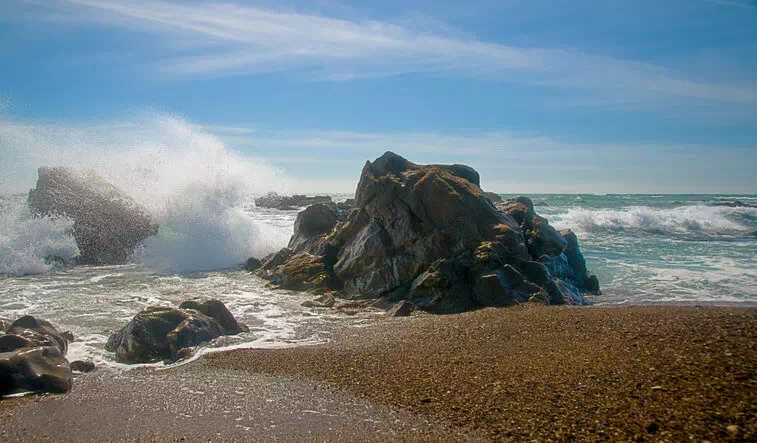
pixel 108 224
pixel 289 203
pixel 159 333
pixel 32 358
pixel 431 236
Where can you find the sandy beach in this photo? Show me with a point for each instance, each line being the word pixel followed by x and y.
pixel 529 372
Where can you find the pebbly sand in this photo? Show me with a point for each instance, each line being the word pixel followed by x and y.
pixel 529 372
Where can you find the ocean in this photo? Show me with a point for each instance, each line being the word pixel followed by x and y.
pixel 673 249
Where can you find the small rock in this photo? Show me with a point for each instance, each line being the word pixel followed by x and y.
pixel 401 309
pixel 184 354
pixel 82 366
pixel 252 264
pixel 68 335
pixel 652 426
pixel 733 430
pixel 658 388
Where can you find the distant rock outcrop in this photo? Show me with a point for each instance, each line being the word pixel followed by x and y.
pixel 159 333
pixel 429 235
pixel 287 203
pixel 32 358
pixel 108 224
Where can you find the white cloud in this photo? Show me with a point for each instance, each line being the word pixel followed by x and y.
pixel 235 39
pixel 330 161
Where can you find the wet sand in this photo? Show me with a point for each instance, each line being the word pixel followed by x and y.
pixel 647 372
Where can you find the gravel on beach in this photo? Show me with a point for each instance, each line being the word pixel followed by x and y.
pixel 636 372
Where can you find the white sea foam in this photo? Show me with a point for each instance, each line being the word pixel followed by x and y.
pixel 700 219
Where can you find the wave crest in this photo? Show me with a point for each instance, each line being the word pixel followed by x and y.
pixel 700 219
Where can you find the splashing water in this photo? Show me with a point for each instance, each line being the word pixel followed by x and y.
pixel 191 184
pixel 26 242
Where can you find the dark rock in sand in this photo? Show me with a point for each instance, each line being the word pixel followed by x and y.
pixel 252 264
pixel 32 358
pixel 82 366
pixel 401 309
pixel 108 224
pixel 430 235
pixel 286 203
pixel 39 331
pixel 159 333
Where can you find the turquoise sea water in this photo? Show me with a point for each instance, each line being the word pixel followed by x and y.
pixel 663 248
pixel 670 249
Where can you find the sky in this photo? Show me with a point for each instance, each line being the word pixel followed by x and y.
pixel 539 96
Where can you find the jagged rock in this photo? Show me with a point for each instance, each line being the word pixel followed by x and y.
pixel 271 261
pixel 346 205
pixel 311 224
pixel 302 272
pixel 401 309
pixel 32 358
pixel 252 264
pixel 108 224
pixel 285 203
pixel 431 236
pixel 493 197
pixel 82 366
pixel 159 333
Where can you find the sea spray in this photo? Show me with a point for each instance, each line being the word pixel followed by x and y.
pixel 190 182
pixel 32 245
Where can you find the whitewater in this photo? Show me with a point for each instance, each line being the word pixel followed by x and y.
pixel 644 248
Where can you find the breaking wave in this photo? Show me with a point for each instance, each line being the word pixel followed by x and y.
pixel 685 220
pixel 190 182
pixel 27 242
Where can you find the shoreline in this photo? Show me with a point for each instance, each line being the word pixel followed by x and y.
pixel 544 372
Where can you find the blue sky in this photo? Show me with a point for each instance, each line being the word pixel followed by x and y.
pixel 539 96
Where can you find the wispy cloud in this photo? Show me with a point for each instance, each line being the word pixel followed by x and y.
pixel 742 4
pixel 235 39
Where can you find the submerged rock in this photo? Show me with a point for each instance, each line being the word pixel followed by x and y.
pixel 159 333
pixel 32 358
pixel 108 224
pixel 431 236
pixel 82 366
pixel 287 203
